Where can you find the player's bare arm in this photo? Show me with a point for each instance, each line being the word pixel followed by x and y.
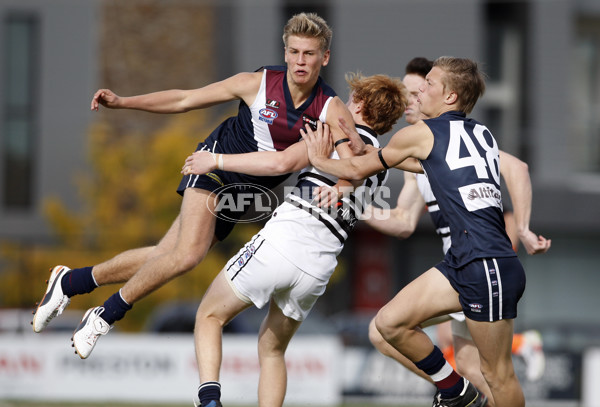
pixel 518 182
pixel 338 113
pixel 319 148
pixel 241 86
pixel 402 220
pixel 264 163
pixel 413 141
pixel 410 165
pixel 261 163
pixel 325 196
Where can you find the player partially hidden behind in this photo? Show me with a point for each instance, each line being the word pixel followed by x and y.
pixel 275 102
pixel 289 262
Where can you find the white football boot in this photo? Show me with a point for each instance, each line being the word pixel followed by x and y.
pixel 88 331
pixel 54 301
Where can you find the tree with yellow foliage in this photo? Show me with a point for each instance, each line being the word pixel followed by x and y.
pixel 126 204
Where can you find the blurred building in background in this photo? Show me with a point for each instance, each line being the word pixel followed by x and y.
pixel 542 104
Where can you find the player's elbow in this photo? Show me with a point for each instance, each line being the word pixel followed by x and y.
pixel 403 233
pixel 524 167
pixel 404 226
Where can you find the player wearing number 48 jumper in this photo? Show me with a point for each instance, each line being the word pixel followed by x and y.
pixel 453 337
pixel 480 274
pixel 275 103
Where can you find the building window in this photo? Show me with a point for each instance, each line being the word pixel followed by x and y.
pixel 19 115
pixel 504 64
pixel 585 99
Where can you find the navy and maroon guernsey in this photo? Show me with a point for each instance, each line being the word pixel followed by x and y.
pixel 270 123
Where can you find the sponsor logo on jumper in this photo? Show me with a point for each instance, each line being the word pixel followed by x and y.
pixel 346 214
pixel 310 121
pixel 273 103
pixel 481 195
pixel 267 115
pixel 483 192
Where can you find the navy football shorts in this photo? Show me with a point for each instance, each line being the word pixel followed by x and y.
pixel 228 186
pixel 488 289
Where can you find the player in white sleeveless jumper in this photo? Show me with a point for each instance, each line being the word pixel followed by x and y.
pixel 289 262
pixel 481 274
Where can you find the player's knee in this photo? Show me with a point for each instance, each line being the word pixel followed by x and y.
pixel 269 348
pixel 182 265
pixel 185 259
pixel 388 325
pixel 206 317
pixel 467 370
pixel 498 374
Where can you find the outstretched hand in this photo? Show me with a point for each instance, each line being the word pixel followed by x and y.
pixel 106 98
pixel 318 142
pixel 535 244
pixel 200 162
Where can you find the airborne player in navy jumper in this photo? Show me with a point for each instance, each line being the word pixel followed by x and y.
pixel 480 274
pixel 270 123
pixel 274 105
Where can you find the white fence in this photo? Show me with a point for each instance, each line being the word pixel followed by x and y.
pixel 159 368
pixel 162 369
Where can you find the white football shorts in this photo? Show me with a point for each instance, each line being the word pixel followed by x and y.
pixel 259 273
pixel 459 328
